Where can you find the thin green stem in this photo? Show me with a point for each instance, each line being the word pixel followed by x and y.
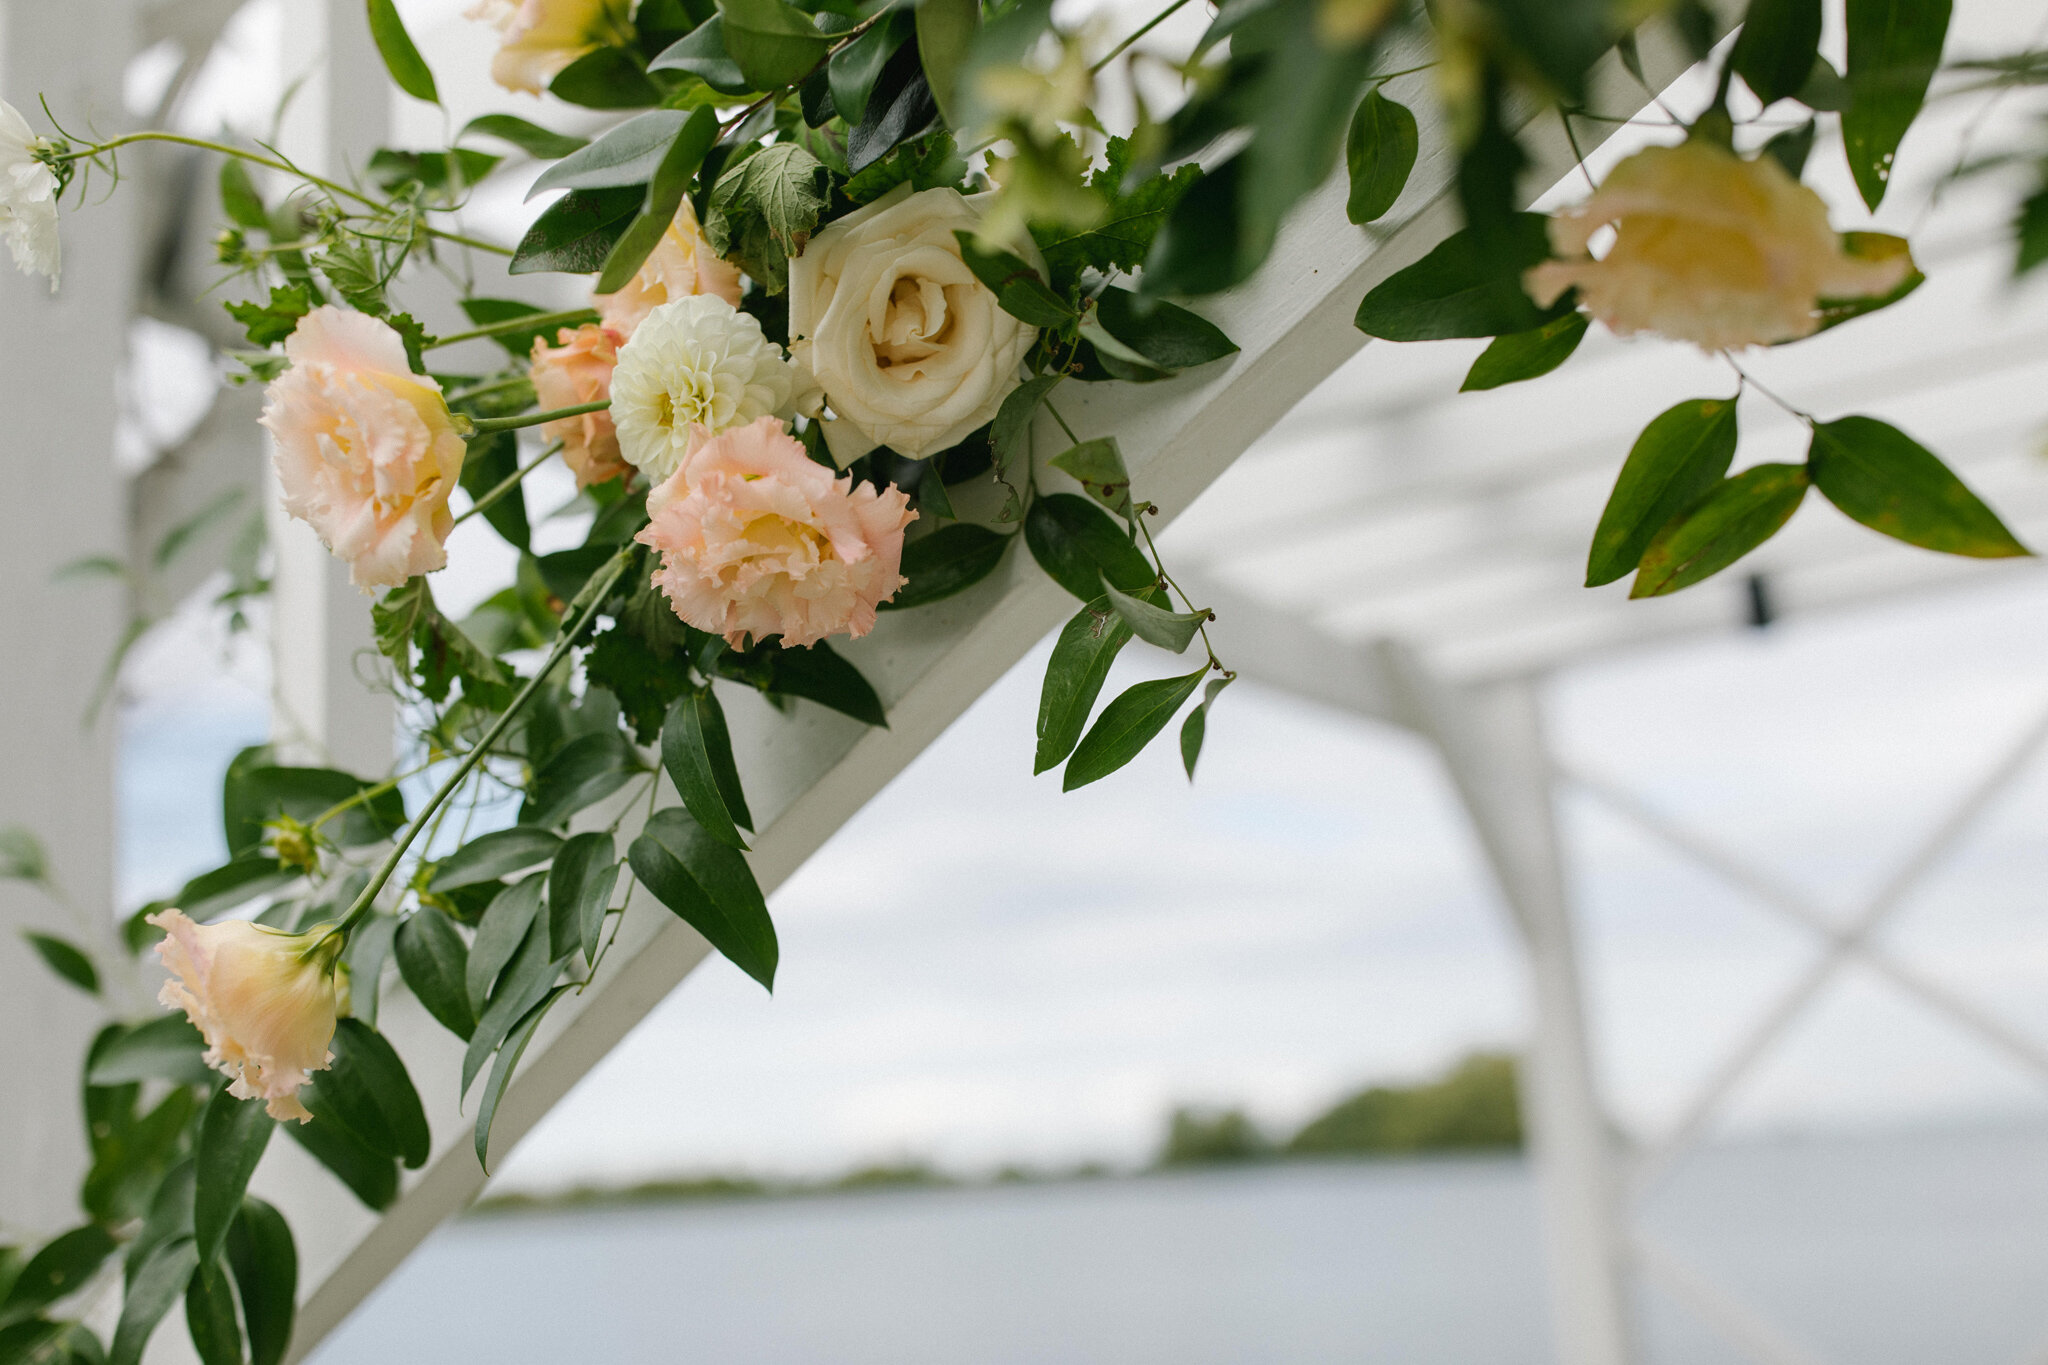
pixel 568 317
pixel 507 484
pixel 270 163
pixel 1154 22
pixel 1063 423
pixel 510 381
pixel 1138 515
pixel 483 426
pixel 603 585
pixel 366 794
pixel 1750 381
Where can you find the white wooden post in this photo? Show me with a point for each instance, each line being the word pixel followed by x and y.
pixel 322 652
pixel 58 368
pixel 1491 739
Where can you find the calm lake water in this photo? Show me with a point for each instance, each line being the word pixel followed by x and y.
pixel 1904 1249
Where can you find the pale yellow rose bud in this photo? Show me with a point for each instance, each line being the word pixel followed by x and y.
pixel 543 36
pixel 1708 248
pixel 264 1000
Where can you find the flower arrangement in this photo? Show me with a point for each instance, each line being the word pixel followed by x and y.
pixel 840 257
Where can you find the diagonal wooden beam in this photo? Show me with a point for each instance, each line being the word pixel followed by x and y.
pixel 809 772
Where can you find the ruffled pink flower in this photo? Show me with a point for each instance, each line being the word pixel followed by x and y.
pixel 681 264
pixel 575 372
pixel 264 1000
pixel 367 453
pixel 758 540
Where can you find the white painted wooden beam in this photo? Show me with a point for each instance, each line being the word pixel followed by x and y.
pixel 64 501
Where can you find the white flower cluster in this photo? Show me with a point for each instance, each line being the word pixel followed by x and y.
pixel 28 197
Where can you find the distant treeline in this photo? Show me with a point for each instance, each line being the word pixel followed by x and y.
pixel 1473 1107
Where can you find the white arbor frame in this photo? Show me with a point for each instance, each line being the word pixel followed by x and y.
pixel 809 773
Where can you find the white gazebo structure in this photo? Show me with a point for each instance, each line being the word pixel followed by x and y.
pixel 1432 584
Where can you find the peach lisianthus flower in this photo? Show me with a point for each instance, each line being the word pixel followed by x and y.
pixel 756 539
pixel 576 371
pixel 541 37
pixel 1708 248
pixel 263 999
pixel 367 452
pixel 681 264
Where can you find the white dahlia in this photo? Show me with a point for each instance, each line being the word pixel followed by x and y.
pixel 28 197
pixel 694 365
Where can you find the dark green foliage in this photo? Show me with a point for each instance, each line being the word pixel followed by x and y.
pixel 1475 1107
pixel 1133 212
pixel 1212 1137
pixel 1733 518
pixel 1894 48
pixel 1379 152
pixel 950 560
pixel 1464 288
pixel 1680 455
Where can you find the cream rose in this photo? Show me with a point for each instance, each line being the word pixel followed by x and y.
pixel 568 375
pixel 911 350
pixel 367 453
pixel 681 264
pixel 694 368
pixel 28 198
pixel 543 36
pixel 1708 248
pixel 757 539
pixel 263 999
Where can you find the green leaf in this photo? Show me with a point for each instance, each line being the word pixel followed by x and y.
pixel 1681 454
pixel 504 930
pixel 501 1074
pixel 1015 283
pixel 1126 726
pixel 1526 355
pixel 369 948
pixel 372 1178
pixel 66 960
pixel 1098 466
pixel 1078 546
pixel 582 773
pixel 1010 436
pixel 1380 152
pixel 266 324
pixel 672 175
pixel 239 198
pixel 368 1091
pixel 536 141
pixel 626 155
pixel 408 72
pixel 816 673
pixel 528 978
pixel 444 178
pixel 855 68
pixel 1737 516
pixel 1164 334
pixel 166 1048
pixel 500 853
pixel 155 1286
pixel 2030 232
pixel 265 1263
pixel 1779 41
pixel 1462 289
pixel 234 883
pixel 1791 148
pixel 232 1138
pixel 35 1341
pixel 1130 222
pixel 59 1269
pixel 1894 49
pixel 169 1218
pixel 580 892
pixel 605 78
pixel 772 43
pixel 762 211
pixel 1088 644
pixel 946 32
pixel 435 964
pixel 686 743
pixel 702 53
pixel 709 886
pixel 1196 726
pixel 1891 483
pixel 1869 246
pixel 950 560
pixel 22 857
pixel 210 1316
pixel 900 107
pixel 256 790
pixel 446 650
pixel 576 232
pixel 1154 624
